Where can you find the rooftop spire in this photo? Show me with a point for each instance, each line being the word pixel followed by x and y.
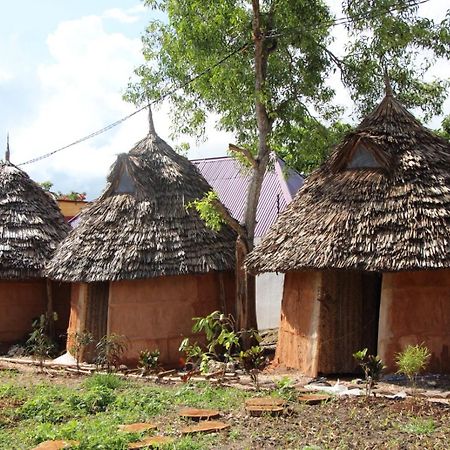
pixel 151 125
pixel 387 84
pixel 7 153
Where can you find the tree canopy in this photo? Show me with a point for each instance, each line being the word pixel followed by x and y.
pixel 383 35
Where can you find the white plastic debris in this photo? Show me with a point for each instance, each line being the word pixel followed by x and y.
pixel 66 359
pixel 337 389
pixel 397 396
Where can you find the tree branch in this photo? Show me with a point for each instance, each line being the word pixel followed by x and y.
pixel 245 152
pixel 229 219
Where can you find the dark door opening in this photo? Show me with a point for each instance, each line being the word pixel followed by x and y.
pixel 96 315
pixel 349 318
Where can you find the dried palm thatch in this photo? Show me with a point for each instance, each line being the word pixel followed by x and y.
pixel 381 202
pixel 31 225
pixel 140 227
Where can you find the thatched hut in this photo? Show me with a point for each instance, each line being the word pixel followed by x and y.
pixel 31 226
pixel 142 262
pixel 365 246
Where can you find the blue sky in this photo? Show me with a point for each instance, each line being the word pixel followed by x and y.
pixel 63 69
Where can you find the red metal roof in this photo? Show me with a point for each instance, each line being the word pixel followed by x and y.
pixel 230 180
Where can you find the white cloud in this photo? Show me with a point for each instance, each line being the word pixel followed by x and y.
pixel 82 92
pixel 5 75
pixel 121 15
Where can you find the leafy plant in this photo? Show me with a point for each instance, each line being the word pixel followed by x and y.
pixel 253 361
pixel 39 344
pixel 420 426
pixel 207 210
pixel 412 360
pixel 79 340
pixel 372 366
pixel 109 350
pixel 149 361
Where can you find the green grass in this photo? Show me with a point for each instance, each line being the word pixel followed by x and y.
pixel 92 412
pixel 419 426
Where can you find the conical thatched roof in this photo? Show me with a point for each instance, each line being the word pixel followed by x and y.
pixel 31 225
pixel 141 227
pixel 381 202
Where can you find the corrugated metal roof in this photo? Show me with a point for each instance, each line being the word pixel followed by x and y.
pixel 230 181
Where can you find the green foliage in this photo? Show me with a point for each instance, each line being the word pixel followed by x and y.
pixel 46 185
pixel 149 360
pixel 420 426
pixel 196 35
pixel 222 340
pixel 107 380
pixel 390 34
pixel 39 344
pixel 412 360
pixel 444 131
pixel 285 389
pixel 253 360
pixel 109 350
pixel 372 366
pixel 315 142
pixel 207 210
pixel 79 340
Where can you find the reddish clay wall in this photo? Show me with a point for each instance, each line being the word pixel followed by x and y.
pixel 300 312
pixel 20 303
pixel 77 318
pixel 157 313
pixel 415 308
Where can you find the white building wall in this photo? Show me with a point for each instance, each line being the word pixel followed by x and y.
pixel 269 292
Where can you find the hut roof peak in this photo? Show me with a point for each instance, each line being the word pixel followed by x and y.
pixel 141 226
pixel 391 217
pixel 387 85
pixel 7 153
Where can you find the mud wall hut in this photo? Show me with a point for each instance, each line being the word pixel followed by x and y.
pixel 31 226
pixel 365 247
pixel 143 263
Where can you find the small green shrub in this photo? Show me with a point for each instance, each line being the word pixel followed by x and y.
pixel 109 350
pixel 372 366
pixel 95 400
pixel 107 380
pixel 253 361
pixel 420 426
pixel 149 361
pixel 411 361
pixel 39 344
pixel 80 340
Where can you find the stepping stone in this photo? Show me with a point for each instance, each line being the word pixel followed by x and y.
pixel 264 405
pixel 55 445
pixel 205 426
pixel 313 399
pixel 196 413
pixel 154 441
pixel 137 427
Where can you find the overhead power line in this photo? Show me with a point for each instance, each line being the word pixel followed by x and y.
pixel 123 119
pixel 335 22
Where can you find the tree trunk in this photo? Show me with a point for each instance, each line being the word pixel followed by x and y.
pixel 246 287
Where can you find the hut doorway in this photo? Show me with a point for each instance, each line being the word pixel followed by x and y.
pixel 349 316
pixel 96 315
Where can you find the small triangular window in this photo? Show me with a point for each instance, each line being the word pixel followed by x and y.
pixel 126 183
pixel 363 159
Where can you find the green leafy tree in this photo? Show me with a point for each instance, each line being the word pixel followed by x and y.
pixel 262 66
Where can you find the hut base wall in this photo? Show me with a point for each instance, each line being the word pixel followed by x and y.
pixel 300 314
pixel 415 308
pixel 20 303
pixel 157 313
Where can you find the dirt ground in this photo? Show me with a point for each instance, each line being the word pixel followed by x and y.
pixel 422 422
